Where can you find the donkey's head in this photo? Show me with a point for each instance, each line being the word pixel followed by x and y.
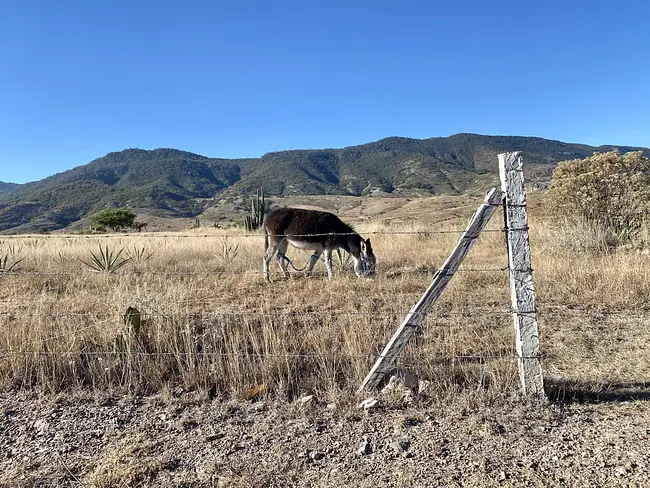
pixel 368 260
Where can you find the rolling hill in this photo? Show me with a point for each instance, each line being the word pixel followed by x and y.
pixel 170 182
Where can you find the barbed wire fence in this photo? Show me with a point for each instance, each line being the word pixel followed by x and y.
pixel 47 346
pixel 95 321
pixel 526 353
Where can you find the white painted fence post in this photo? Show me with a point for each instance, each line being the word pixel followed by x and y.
pixel 521 277
pixel 416 316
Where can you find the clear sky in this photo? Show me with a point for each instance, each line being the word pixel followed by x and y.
pixel 81 78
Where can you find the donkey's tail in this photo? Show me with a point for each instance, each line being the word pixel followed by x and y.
pixel 266 240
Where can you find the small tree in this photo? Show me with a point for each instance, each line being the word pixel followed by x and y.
pixel 114 218
pixel 607 189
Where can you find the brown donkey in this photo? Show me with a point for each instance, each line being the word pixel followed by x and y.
pixel 321 232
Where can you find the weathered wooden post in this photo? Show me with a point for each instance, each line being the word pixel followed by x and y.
pixel 521 277
pixel 442 277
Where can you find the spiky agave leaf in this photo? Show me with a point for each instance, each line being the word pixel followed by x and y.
pixel 139 255
pixel 5 265
pixel 107 260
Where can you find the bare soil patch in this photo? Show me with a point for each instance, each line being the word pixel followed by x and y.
pixel 184 441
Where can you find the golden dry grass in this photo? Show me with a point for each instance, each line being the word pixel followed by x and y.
pixel 209 322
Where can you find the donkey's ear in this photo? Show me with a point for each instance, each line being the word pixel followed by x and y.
pixel 367 245
pixel 362 245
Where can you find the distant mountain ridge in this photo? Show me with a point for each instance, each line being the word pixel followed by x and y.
pixel 178 183
pixel 4 186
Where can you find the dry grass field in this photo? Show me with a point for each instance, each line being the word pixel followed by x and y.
pixel 208 324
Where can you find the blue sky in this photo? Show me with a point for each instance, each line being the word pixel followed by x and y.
pixel 79 79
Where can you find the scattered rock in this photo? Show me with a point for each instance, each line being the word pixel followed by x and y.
pixel 235 448
pixel 316 455
pixel 306 400
pixel 321 425
pixel 396 391
pixel 41 425
pixel 369 403
pixel 365 448
pixel 187 423
pixel 258 407
pixel 407 379
pixel 401 445
pixel 213 437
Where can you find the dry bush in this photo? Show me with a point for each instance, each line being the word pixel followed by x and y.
pixel 608 190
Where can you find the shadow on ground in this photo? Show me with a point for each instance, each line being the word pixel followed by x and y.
pixel 568 391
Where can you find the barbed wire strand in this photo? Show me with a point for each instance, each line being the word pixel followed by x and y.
pixel 246 354
pixel 200 314
pixel 275 314
pixel 233 235
pixel 208 274
pixel 76 331
pixel 437 313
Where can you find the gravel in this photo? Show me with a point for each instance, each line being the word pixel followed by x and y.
pixel 184 441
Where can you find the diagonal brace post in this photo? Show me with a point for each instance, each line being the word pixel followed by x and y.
pixel 415 317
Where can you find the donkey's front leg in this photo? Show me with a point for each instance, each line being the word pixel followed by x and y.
pixel 313 259
pixel 358 266
pixel 270 251
pixel 328 262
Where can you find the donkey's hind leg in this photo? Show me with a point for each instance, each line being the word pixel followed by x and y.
pixel 281 258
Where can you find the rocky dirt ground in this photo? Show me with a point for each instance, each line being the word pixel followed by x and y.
pixel 182 440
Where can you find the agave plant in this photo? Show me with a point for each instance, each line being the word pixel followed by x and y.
pixel 9 259
pixel 138 254
pixel 107 261
pixel 228 251
pixel 7 265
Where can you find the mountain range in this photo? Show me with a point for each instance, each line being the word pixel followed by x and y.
pixel 171 182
